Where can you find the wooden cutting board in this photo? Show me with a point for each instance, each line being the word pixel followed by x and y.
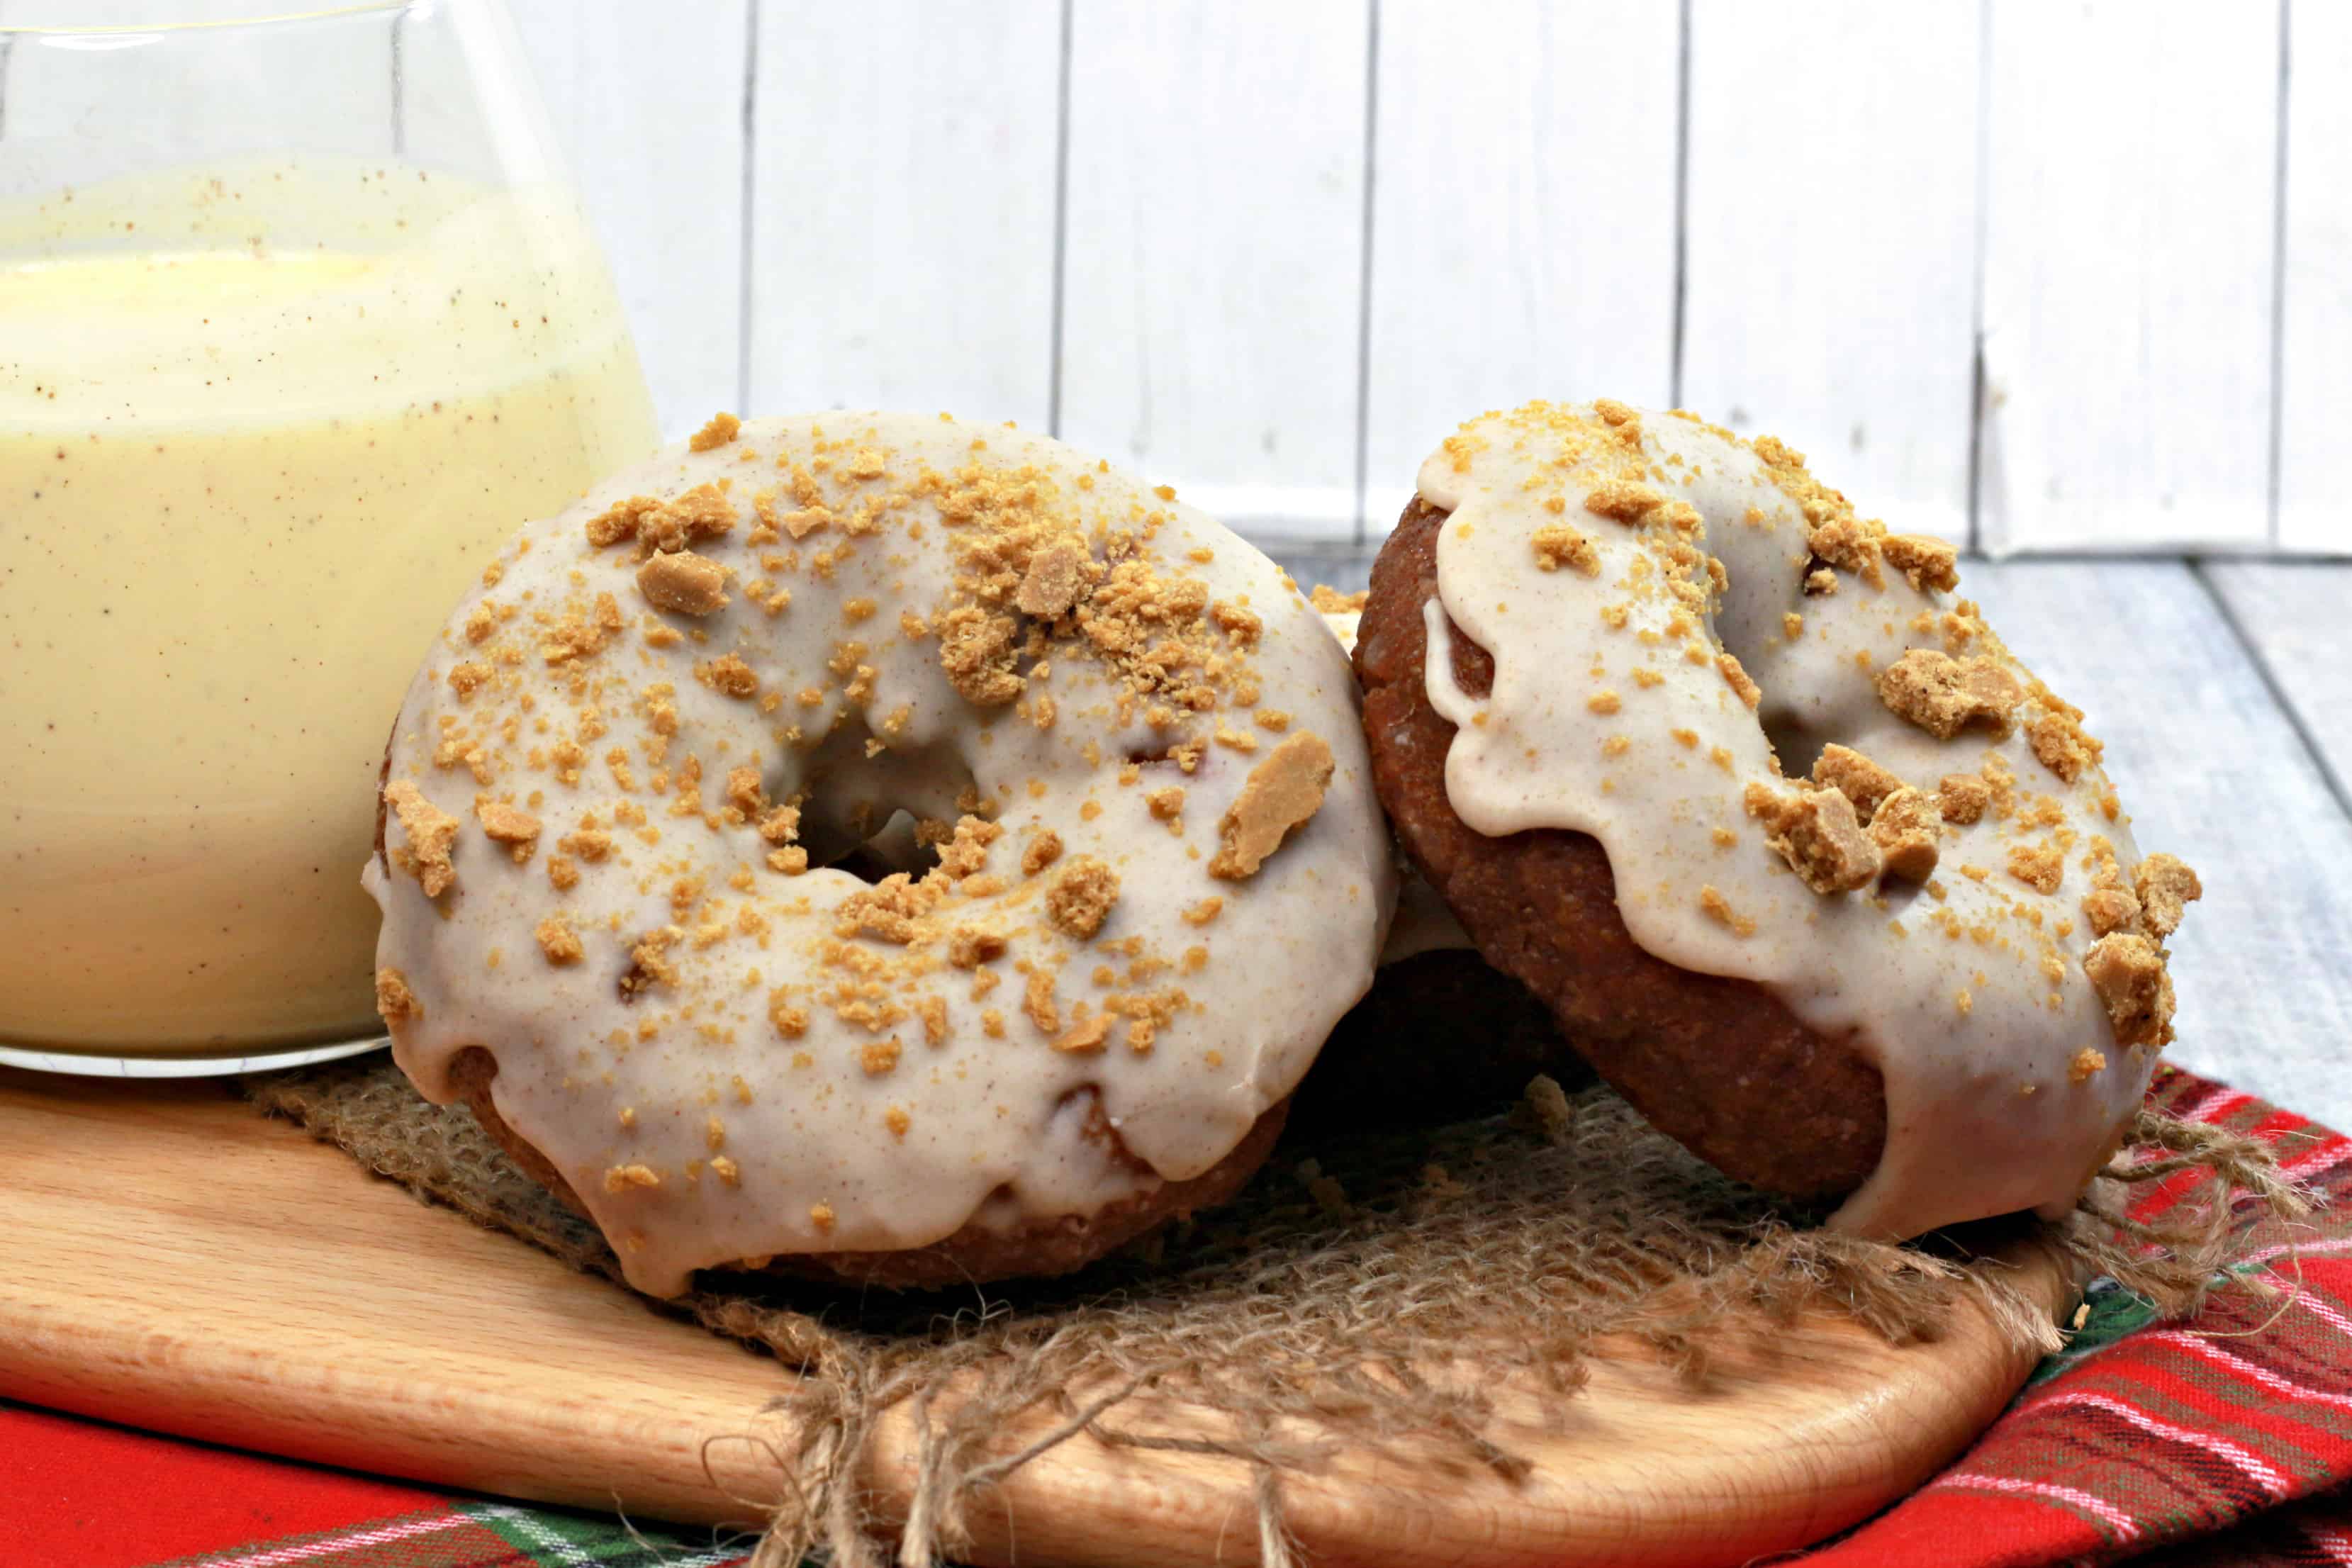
pixel 176 1261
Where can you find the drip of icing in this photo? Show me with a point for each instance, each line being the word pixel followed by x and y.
pixel 909 1094
pixel 2005 1082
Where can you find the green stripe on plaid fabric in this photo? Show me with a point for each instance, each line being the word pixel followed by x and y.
pixel 551 1538
pixel 482 1535
pixel 2110 1312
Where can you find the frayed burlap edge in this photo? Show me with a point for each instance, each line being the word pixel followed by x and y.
pixel 1373 1296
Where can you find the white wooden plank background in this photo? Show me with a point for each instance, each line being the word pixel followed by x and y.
pixel 2212 770
pixel 1828 291
pixel 904 172
pixel 651 122
pixel 2293 617
pixel 1523 217
pixel 1212 245
pixel 1271 253
pixel 2128 250
pixel 2315 339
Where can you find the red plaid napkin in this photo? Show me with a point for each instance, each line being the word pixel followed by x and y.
pixel 2225 1441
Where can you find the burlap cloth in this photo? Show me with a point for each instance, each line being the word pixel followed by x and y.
pixel 1369 1290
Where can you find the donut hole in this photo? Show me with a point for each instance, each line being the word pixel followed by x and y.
pixel 895 848
pixel 862 805
pixel 1797 747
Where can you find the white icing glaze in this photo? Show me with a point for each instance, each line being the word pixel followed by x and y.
pixel 638 1102
pixel 1969 995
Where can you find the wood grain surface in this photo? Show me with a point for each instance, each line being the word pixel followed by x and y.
pixel 179 1262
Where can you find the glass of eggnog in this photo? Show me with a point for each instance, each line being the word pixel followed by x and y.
pixel 298 320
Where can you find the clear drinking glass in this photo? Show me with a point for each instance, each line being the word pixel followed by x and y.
pixel 298 319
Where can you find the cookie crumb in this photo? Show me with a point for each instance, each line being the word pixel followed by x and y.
pixel 395 1002
pixel 1282 792
pixel 1856 777
pixel 1053 583
pixel 1084 1037
pixel 722 429
pixel 1622 500
pixel 1942 694
pixel 432 834
pixel 2060 741
pixel 1717 908
pixel 1905 827
pixel 1962 798
pixel 2041 866
pixel 2086 1065
pixel 969 947
pixel 1817 831
pixel 1558 545
pixel 510 826
pixel 1081 896
pixel 2127 971
pixel 1929 564
pixel 1737 679
pixel 558 942
pixel 2165 887
pixel 689 584
pixel 1041 852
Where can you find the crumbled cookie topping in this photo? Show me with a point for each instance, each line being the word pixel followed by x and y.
pixel 2165 887
pixel 1942 694
pixel 558 942
pixel 686 582
pixel 1962 798
pixel 2128 972
pixel 1558 545
pixel 1080 897
pixel 432 834
pixel 1855 776
pixel 1817 831
pixel 722 429
pixel 1906 827
pixel 1281 794
pixel 395 1002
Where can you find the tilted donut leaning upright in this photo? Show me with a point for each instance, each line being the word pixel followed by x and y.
pixel 1142 872
pixel 1602 652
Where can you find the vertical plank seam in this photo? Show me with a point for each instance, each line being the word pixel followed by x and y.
pixel 2278 269
pixel 2274 687
pixel 1361 533
pixel 399 85
pixel 1682 199
pixel 744 247
pixel 1982 227
pixel 7 48
pixel 1061 226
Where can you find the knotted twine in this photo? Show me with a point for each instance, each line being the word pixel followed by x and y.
pixel 1370 1292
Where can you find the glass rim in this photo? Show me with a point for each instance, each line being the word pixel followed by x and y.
pixel 223 24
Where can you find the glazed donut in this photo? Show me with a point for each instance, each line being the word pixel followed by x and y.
pixel 1804 861
pixel 1099 759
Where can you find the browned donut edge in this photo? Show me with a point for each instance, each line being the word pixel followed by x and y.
pixel 972 1255
pixel 1719 1065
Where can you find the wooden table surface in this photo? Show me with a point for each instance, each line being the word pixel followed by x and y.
pixel 2224 691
